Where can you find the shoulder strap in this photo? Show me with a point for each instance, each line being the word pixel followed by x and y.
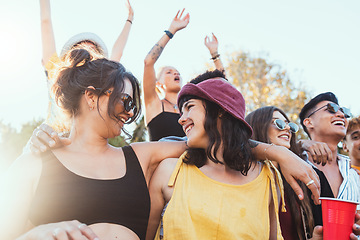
pixel 270 166
pixel 162 105
pixel 131 160
pixel 175 173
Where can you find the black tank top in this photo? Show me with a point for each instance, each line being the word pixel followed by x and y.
pixel 164 125
pixel 62 195
pixel 325 191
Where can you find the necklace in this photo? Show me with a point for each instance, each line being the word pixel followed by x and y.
pixel 173 105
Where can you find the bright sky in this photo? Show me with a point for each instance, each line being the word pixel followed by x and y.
pixel 317 42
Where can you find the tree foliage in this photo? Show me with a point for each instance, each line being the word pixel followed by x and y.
pixel 264 83
pixel 12 141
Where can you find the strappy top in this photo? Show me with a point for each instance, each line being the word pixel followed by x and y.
pixel 202 208
pixel 165 124
pixel 62 195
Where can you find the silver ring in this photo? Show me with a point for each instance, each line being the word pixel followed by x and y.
pixel 81 225
pixel 55 232
pixel 309 183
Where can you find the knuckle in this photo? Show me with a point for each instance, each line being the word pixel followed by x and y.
pixel 71 230
pixel 75 223
pixel 303 175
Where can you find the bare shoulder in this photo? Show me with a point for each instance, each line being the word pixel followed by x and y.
pixel 27 161
pixel 164 170
pixel 168 165
pixel 26 164
pixel 25 169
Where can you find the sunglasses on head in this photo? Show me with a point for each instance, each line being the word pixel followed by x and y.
pixel 281 125
pixel 126 99
pixel 333 108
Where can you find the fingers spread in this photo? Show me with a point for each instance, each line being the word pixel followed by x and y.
pixel 182 12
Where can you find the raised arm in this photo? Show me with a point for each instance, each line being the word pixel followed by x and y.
pixel 47 32
pixel 179 22
pixel 212 44
pixel 119 45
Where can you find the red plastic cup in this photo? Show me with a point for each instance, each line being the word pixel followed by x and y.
pixel 338 218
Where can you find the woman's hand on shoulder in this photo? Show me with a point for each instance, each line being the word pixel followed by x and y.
pixel 44 137
pixel 67 230
pixel 319 152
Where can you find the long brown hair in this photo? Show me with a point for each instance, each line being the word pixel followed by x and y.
pixel 260 121
pixel 81 70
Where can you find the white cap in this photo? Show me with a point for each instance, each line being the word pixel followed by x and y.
pixel 81 37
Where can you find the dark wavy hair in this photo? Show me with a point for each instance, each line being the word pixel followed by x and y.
pixel 260 120
pixel 81 70
pixel 233 135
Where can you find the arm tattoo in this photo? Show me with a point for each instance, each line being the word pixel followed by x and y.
pixel 253 143
pixel 156 51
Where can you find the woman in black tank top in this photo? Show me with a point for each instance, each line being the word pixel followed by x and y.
pixel 162 115
pixel 89 180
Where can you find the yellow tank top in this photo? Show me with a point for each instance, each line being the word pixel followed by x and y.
pixel 202 208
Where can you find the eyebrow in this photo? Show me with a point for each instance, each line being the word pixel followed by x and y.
pixel 187 103
pixel 355 132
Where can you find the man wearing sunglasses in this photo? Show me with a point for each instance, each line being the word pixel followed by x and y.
pixel 325 121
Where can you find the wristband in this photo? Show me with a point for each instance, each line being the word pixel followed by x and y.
pixel 169 34
pixel 215 57
pixel 129 21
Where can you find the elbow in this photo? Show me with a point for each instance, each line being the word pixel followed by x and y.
pixel 148 62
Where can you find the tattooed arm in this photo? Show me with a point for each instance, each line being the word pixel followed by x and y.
pixel 151 99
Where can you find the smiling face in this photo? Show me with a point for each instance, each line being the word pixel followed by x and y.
pixel 112 126
pixel 192 120
pixel 171 79
pixel 352 144
pixel 277 136
pixel 324 124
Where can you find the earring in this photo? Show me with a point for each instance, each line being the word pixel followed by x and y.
pixel 91 108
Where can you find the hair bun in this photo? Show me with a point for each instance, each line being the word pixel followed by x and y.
pixel 78 57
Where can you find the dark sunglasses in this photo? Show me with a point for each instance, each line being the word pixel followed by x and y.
pixel 126 99
pixel 281 125
pixel 128 103
pixel 333 108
